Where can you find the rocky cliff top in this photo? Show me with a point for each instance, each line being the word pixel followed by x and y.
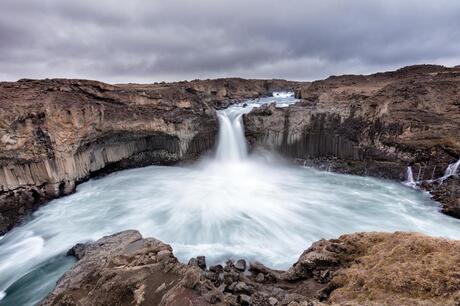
pixel 358 269
pixel 54 117
pixel 423 100
pixel 376 125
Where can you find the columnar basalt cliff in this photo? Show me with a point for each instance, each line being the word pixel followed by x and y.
pixel 56 133
pixel 372 125
pixel 417 270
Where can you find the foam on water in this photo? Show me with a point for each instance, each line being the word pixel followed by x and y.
pixel 228 206
pixel 283 94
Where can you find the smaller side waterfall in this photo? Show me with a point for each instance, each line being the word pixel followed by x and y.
pixel 410 178
pixel 451 170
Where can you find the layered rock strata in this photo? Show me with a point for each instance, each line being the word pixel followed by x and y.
pixel 125 269
pixel 56 133
pixel 374 125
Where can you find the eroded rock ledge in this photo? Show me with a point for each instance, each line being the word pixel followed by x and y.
pixel 57 133
pixel 374 125
pixel 357 269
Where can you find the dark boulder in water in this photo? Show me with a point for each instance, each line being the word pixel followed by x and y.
pixel 240 265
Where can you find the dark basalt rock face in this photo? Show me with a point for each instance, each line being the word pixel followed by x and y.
pixel 447 193
pixel 57 133
pixel 125 269
pixel 371 125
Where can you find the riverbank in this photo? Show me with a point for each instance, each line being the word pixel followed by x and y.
pixel 417 270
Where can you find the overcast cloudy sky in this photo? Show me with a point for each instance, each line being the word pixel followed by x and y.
pixel 152 40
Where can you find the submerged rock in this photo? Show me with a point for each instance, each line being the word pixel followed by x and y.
pixel 363 268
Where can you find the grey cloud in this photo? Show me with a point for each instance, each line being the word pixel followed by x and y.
pixel 145 41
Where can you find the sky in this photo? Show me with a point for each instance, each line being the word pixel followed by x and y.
pixel 166 40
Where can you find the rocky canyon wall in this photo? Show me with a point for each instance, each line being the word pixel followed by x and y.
pixel 374 125
pixel 56 133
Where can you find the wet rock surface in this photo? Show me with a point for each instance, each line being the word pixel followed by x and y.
pixel 375 125
pixel 446 192
pixel 126 269
pixel 56 133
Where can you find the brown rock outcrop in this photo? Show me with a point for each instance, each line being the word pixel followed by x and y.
pixel 370 124
pixel 125 269
pixel 358 269
pixel 447 193
pixel 56 133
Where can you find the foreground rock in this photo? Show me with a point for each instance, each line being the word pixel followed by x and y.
pixel 357 269
pixel 56 133
pixel 372 125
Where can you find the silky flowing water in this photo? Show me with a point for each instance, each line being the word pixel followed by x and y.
pixel 229 205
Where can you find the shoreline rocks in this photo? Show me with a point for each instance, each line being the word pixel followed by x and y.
pixel 126 269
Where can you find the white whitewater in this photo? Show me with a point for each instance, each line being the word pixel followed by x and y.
pixel 232 142
pixel 409 181
pixel 232 145
pixel 231 205
pixel 451 170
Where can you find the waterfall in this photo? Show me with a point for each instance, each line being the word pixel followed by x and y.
pixel 451 170
pixel 410 178
pixel 231 145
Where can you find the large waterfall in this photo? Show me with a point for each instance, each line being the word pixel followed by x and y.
pixel 229 205
pixel 232 143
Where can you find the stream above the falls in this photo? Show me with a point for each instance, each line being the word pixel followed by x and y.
pixel 229 205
